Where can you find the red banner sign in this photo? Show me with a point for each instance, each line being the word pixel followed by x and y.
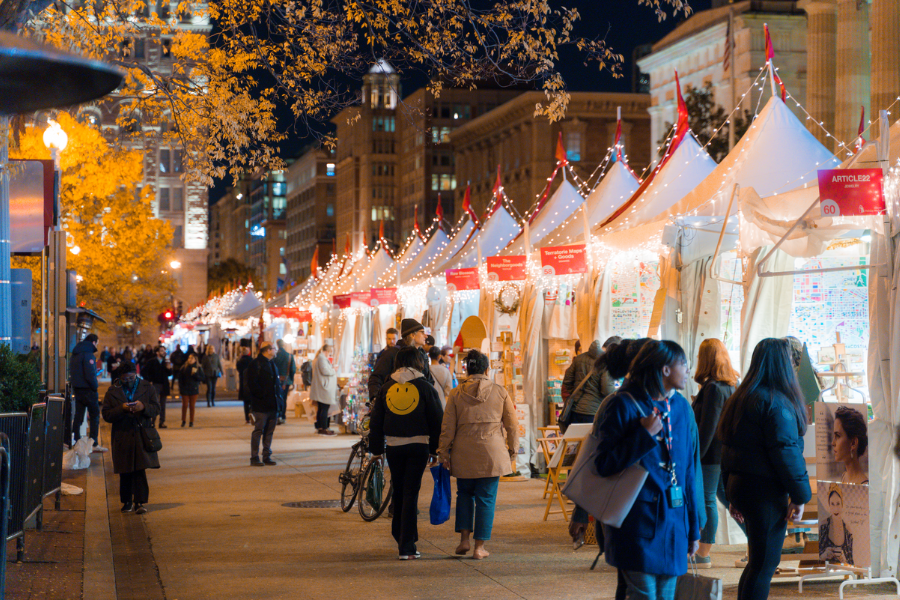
pixel 383 296
pixel 851 192
pixel 462 279
pixel 290 312
pixel 342 301
pixel 564 260
pixel 506 268
pixel 360 299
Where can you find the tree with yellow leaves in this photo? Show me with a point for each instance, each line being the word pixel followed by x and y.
pixel 117 246
pixel 209 94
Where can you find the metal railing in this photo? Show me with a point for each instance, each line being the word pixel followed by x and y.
pixel 54 447
pixel 15 426
pixel 4 506
pixel 37 444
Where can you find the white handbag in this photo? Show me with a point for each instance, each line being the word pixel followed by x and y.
pixel 608 499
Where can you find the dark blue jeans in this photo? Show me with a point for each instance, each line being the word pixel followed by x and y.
pixel 87 400
pixel 711 476
pixel 645 586
pixel 475 503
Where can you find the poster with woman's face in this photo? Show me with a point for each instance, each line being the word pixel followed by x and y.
pixel 842 443
pixel 844 523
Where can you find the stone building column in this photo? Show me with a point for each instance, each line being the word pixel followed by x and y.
pixel 885 19
pixel 821 32
pixel 853 69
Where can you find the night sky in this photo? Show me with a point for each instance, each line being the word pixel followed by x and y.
pixel 624 24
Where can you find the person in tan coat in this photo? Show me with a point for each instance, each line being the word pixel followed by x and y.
pixel 479 438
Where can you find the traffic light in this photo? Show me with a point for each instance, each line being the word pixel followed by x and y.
pixel 167 315
pixel 166 318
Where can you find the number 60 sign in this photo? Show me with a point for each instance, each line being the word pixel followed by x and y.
pixel 851 192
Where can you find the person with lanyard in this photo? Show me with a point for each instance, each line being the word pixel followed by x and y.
pixel 649 423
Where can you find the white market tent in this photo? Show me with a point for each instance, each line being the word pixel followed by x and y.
pixel 437 243
pixel 498 230
pixel 562 205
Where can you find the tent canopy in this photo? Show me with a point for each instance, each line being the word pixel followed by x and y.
pixel 435 246
pixel 562 204
pixel 495 234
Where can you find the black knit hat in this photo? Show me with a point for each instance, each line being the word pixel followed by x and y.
pixel 409 326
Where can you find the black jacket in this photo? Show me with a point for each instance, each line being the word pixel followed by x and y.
pixel 263 385
pixel 392 416
pixel 767 444
pixel 158 373
pixel 241 366
pixel 178 358
pixel 83 366
pixel 189 379
pixel 126 445
pixel 384 366
pixel 707 409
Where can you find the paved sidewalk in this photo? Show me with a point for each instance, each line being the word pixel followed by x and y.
pixel 220 529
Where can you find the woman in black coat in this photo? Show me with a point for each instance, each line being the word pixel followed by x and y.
pixel 129 404
pixel 190 376
pixel 766 482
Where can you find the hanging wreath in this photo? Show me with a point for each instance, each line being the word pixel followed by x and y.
pixel 508 299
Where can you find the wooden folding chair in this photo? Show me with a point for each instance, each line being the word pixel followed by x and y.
pixel 560 464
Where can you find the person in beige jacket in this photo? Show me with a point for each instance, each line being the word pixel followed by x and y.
pixel 479 438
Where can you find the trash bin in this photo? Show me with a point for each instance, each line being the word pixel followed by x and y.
pixel 231 379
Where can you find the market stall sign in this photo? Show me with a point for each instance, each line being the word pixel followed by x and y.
pixel 506 268
pixel 563 260
pixel 851 192
pixel 382 296
pixel 342 301
pixel 462 279
pixel 360 299
pixel 291 312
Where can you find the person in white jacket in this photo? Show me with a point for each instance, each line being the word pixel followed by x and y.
pixel 324 387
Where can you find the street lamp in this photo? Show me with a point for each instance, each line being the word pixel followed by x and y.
pixel 175 264
pixel 54 137
pixel 75 250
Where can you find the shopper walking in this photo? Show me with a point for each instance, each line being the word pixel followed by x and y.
pixel 413 335
pixel 717 379
pixel 243 393
pixel 405 425
pixel 212 369
pixel 443 378
pixel 762 430
pixel 323 390
pixel 190 376
pixel 83 379
pixel 647 422
pixel 587 382
pixel 265 390
pixel 178 357
pixel 130 404
pixel 479 441
pixel 157 371
pixel 287 368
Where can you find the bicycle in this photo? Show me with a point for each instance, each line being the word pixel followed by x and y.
pixel 356 464
pixel 372 497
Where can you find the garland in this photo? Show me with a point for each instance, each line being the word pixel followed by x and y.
pixel 503 307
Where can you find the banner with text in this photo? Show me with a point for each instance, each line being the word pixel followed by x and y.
pixel 462 279
pixel 851 192
pixel 564 260
pixel 342 301
pixel 360 299
pixel 382 296
pixel 506 268
pixel 287 312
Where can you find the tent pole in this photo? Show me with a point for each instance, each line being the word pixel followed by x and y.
pixel 712 271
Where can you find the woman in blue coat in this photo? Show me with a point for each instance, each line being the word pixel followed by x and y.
pixel 648 422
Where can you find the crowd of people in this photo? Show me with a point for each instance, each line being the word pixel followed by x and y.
pixel 739 442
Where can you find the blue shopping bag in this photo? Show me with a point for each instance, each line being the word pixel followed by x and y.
pixel 440 500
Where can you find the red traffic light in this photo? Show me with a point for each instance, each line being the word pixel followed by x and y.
pixel 168 314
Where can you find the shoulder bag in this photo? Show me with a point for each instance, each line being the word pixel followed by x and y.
pixel 150 439
pixel 565 416
pixel 608 499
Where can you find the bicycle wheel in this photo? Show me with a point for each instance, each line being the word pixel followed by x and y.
pixel 374 490
pixel 349 479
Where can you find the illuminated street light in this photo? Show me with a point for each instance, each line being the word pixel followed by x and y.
pixel 75 250
pixel 54 136
pixel 175 264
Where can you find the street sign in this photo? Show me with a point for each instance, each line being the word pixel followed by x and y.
pixel 851 192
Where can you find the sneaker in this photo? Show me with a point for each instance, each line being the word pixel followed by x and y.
pixel 140 509
pixel 269 461
pixel 741 562
pixel 411 556
pixel 280 421
pixel 328 432
pixel 127 507
pixel 163 426
pixel 100 449
pixel 255 462
pixel 703 562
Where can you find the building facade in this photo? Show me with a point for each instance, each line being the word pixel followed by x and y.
pixel 394 156
pixel 697 47
pixel 268 234
pixel 311 201
pixel 524 147
pixel 229 226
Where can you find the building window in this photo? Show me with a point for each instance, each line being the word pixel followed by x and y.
pixel 165 159
pixel 380 213
pixel 177 161
pixel 178 236
pixel 164 205
pixel 383 124
pixel 440 135
pixel 435 182
pixel 447 182
pixel 329 169
pixel 178 199
pixel 573 145
pixel 329 210
pixel 462 111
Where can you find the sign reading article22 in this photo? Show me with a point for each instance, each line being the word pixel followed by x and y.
pixel 564 260
pixel 851 192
